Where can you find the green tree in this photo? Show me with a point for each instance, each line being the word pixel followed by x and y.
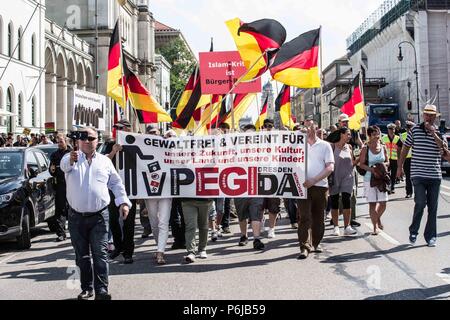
pixel 183 63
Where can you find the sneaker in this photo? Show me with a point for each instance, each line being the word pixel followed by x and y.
pixel 294 225
pixel 318 249
pixel 258 245
pixel 226 230
pixel 214 236
pixel 60 239
pixel 243 241
pixel 349 231
pixel 432 242
pixel 355 224
pixel 412 238
pixel 190 258
pixel 336 232
pixel 271 233
pixel 303 255
pixel 202 255
pixel 219 234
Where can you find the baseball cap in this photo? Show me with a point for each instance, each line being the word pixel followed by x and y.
pixel 343 117
pixel 391 126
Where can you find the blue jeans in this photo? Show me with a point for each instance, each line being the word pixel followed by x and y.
pixel 90 234
pixel 426 194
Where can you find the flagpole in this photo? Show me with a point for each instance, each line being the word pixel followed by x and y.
pixel 124 98
pixel 290 110
pixel 237 83
pixel 321 78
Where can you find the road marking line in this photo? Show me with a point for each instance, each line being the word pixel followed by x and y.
pixel 444 277
pixel 10 257
pixel 384 235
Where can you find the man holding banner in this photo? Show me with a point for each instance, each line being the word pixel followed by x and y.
pixel 311 210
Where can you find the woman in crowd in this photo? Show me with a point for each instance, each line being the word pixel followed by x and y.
pixel 374 153
pixel 343 181
pixel 159 214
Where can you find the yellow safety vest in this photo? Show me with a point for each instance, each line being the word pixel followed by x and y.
pixel 391 146
pixel 403 138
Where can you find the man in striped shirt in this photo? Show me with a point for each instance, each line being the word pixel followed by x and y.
pixel 426 174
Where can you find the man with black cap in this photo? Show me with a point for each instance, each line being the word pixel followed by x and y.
pixel 123 233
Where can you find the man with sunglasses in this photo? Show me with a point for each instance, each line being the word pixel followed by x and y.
pixel 89 175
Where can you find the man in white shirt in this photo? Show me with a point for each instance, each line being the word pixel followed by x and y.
pixel 320 164
pixel 89 175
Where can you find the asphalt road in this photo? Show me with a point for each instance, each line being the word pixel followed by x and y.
pixel 360 267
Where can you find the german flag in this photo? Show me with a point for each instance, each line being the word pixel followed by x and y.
pixel 283 106
pixel 115 89
pixel 255 39
pixel 186 113
pixel 141 99
pixel 241 104
pixel 296 63
pixel 354 105
pixel 263 115
pixel 209 113
pixel 194 78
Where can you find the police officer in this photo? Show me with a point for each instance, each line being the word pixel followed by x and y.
pixel 60 187
pixel 394 146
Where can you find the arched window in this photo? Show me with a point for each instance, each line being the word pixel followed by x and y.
pixel 19 40
pixel 9 100
pixel 33 49
pixel 10 39
pixel 20 110
pixel 9 108
pixel 33 112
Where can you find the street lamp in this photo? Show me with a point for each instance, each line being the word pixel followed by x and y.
pixel 400 58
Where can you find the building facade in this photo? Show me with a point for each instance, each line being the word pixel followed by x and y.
pixel 137 29
pixel 22 95
pixel 421 29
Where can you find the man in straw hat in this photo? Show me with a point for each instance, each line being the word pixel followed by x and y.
pixel 426 175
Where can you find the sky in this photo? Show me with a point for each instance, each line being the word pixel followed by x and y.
pixel 199 20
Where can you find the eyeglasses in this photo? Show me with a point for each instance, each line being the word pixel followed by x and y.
pixel 268 126
pixel 90 139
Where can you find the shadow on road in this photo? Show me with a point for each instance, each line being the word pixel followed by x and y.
pixel 416 294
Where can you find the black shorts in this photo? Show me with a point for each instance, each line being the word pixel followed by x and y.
pixel 272 205
pixel 249 208
pixel 346 203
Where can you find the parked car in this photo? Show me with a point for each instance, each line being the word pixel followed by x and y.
pixel 27 195
pixel 48 149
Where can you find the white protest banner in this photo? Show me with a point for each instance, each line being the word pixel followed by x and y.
pixel 264 165
pixel 89 110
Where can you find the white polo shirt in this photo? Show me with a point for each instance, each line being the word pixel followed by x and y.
pixel 319 154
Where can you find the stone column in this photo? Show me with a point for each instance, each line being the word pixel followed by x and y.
pixel 70 106
pixel 61 114
pixel 50 98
